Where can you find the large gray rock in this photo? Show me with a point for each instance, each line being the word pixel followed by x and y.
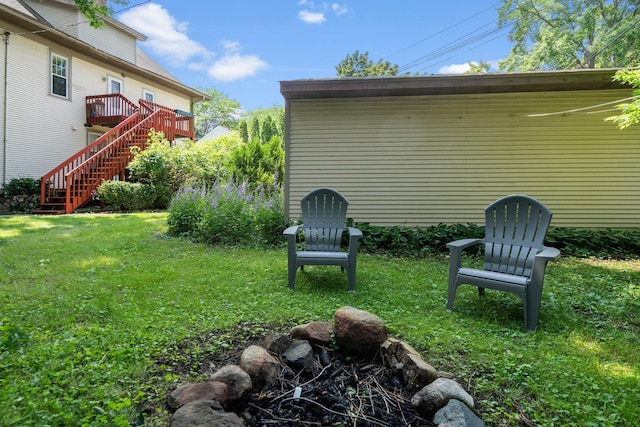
pixel 358 332
pixel 405 361
pixel 277 343
pixel 210 390
pixel 262 367
pixel 457 414
pixel 318 332
pixel 299 354
pixel 436 395
pixel 237 380
pixel 204 413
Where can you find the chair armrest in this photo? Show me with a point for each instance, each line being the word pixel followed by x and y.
pixel 463 243
pixel 539 266
pixel 455 256
pixel 354 232
pixel 291 231
pixel 354 236
pixel 549 254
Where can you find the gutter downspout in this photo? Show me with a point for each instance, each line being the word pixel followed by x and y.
pixel 4 107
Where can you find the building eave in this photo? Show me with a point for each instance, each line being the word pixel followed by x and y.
pixel 450 84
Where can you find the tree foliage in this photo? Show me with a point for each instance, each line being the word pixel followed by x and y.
pixel 567 34
pixel 478 67
pixel 219 111
pixel 95 10
pixel 359 65
pixel 629 111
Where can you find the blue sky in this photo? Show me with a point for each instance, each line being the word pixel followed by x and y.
pixel 244 48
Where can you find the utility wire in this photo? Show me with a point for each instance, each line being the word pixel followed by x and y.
pixel 441 31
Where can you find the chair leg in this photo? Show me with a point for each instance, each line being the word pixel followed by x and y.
pixel 531 312
pixel 451 295
pixel 292 276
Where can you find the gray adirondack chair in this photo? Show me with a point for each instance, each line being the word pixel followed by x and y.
pixel 515 257
pixel 324 215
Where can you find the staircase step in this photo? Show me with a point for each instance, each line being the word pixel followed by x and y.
pixel 48 212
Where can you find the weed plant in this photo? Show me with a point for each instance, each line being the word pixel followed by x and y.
pixel 89 304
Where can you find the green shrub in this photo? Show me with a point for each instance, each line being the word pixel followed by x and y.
pixel 22 187
pixel 128 196
pixel 421 241
pixel 257 164
pixel 600 242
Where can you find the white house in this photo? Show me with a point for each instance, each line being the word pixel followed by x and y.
pixel 51 63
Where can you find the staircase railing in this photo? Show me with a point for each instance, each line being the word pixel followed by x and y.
pixel 78 177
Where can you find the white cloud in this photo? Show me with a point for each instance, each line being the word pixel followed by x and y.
pixel 455 69
pixel 168 39
pixel 166 36
pixel 230 45
pixel 339 9
pixel 235 67
pixel 463 68
pixel 311 17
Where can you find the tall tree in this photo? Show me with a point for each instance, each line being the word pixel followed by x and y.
pixel 219 111
pixel 244 130
pixel 255 129
pixel 359 65
pixel 567 34
pixel 268 129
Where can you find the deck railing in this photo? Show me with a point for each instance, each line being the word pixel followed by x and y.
pixel 108 109
pixel 178 123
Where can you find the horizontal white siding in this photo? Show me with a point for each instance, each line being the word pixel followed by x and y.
pixel 426 160
pixel 40 127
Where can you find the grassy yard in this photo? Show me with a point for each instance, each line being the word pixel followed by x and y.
pixel 89 302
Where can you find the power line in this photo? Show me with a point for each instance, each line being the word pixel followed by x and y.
pixel 468 39
pixel 441 31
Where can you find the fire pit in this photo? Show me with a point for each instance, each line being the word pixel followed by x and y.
pixel 343 373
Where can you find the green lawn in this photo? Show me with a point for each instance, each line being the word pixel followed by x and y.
pixel 89 302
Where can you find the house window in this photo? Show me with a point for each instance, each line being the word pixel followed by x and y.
pixel 147 95
pixel 114 85
pixel 59 75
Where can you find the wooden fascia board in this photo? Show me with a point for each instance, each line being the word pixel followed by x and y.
pixel 450 84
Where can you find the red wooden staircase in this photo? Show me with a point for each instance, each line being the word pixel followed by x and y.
pixel 74 182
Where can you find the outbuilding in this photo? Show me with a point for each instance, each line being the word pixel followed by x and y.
pixel 438 149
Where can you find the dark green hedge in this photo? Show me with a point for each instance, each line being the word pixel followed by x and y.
pixel 421 241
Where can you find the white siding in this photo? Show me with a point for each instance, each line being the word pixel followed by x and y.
pixel 111 40
pixel 68 19
pixel 3 53
pixel 426 160
pixel 62 17
pixel 40 127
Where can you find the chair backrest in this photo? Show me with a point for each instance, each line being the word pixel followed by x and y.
pixel 516 226
pixel 324 214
